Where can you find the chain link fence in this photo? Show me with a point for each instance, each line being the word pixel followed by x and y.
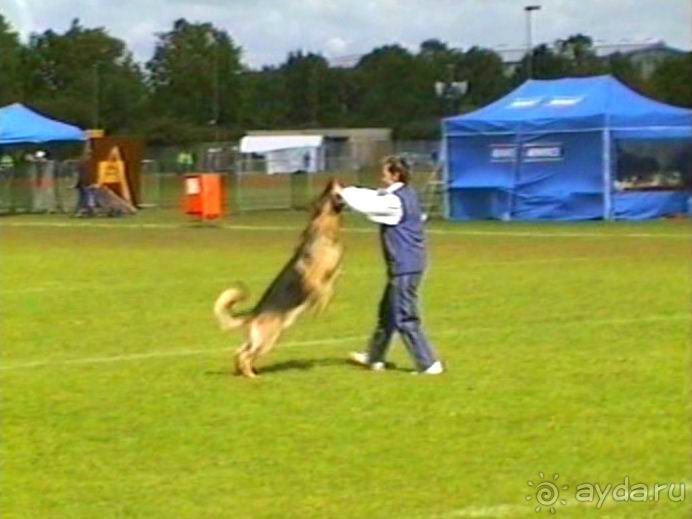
pixel 39 187
pixel 50 186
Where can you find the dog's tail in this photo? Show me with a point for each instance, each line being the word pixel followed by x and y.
pixel 223 305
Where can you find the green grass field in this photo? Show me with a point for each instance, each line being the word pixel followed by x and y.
pixel 568 348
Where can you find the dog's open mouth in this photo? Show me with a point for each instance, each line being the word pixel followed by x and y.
pixel 338 203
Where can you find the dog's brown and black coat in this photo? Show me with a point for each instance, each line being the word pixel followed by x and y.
pixel 306 281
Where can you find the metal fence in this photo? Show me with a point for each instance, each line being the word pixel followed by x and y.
pixel 41 187
pixel 259 191
pixel 50 186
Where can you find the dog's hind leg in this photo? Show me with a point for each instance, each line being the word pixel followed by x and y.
pixel 264 332
pixel 293 315
pixel 325 297
pixel 242 361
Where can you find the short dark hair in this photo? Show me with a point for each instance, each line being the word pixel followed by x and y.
pixel 398 166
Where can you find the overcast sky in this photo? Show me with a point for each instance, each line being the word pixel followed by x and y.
pixel 268 29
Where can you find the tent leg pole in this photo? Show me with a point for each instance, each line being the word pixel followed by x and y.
pixel 607 177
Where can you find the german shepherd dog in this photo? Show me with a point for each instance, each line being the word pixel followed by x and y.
pixel 307 281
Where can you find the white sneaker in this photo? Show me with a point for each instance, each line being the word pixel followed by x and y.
pixel 361 359
pixel 436 368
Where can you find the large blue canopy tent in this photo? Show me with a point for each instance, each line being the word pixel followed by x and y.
pixel 21 126
pixel 31 185
pixel 548 151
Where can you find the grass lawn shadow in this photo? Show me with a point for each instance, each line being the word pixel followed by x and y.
pixel 306 365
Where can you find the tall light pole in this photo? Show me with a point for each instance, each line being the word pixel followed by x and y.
pixel 450 91
pixel 217 93
pixel 216 105
pixel 97 95
pixel 450 95
pixel 529 38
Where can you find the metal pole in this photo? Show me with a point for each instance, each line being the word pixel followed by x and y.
pixel 217 92
pixel 446 193
pixel 314 94
pixel 607 175
pixel 450 93
pixel 97 94
pixel 529 39
pixel 215 106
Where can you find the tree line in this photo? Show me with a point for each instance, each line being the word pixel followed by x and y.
pixel 195 87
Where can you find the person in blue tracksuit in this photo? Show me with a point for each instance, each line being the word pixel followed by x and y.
pixel 396 209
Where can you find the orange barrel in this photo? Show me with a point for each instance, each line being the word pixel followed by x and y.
pixel 212 196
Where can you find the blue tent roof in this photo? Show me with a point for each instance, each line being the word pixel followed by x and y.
pixel 575 104
pixel 19 125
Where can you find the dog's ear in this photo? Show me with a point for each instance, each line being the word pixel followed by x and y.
pixel 334 184
pixel 329 187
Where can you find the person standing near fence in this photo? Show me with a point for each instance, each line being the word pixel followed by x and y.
pixel 395 207
pixel 6 180
pixel 42 178
pixel 85 194
pixel 6 164
pixel 185 162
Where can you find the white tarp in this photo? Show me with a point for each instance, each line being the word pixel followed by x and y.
pixel 287 153
pixel 265 143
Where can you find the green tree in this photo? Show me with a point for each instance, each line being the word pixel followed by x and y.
pixel 546 64
pixel 344 82
pixel 10 64
pixel 195 76
pixel 84 76
pixel 578 49
pixel 264 99
pixel 433 49
pixel 389 90
pixel 622 68
pixel 670 81
pixel 310 92
pixel 438 64
pixel 484 70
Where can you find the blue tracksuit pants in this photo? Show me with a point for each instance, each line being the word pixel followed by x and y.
pixel 398 312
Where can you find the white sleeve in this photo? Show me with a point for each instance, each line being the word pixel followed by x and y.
pixel 379 207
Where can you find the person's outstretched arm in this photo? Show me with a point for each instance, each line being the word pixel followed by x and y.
pixel 378 206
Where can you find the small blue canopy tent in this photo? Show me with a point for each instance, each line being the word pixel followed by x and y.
pixel 21 126
pixel 546 151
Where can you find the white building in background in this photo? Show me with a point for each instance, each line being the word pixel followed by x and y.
pixel 330 149
pixel 287 153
